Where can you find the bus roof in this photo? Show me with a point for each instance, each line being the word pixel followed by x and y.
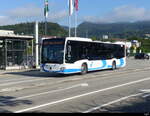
pixel 79 39
pixel 89 40
pixel 84 40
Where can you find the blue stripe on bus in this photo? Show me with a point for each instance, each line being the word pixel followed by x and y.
pixel 120 65
pixel 71 70
pixel 104 66
pixel 98 68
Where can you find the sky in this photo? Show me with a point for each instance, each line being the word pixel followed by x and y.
pixel 96 11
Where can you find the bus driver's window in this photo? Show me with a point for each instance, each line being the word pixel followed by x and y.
pixel 68 53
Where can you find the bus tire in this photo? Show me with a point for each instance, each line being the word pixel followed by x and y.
pixel 147 57
pixel 114 65
pixel 84 69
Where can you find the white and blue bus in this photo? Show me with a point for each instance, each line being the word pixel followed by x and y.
pixel 80 55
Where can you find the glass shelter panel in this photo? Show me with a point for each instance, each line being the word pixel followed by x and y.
pixel 2 54
pixel 16 52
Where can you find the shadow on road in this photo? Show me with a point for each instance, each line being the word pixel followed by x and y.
pixel 37 73
pixel 9 101
pixel 140 105
pixel 134 105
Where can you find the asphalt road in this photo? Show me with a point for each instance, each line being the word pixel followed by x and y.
pixel 123 90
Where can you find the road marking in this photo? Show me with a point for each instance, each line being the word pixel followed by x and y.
pixel 147 92
pixel 53 91
pixel 13 83
pixel 117 73
pixel 118 100
pixel 112 102
pixel 82 95
pixel 15 80
pixel 84 84
pixel 144 96
pixel 75 79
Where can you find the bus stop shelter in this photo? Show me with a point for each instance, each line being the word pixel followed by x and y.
pixel 13 51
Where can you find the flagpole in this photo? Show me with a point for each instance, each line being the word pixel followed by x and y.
pixel 76 9
pixel 70 13
pixel 69 25
pixel 76 24
pixel 46 10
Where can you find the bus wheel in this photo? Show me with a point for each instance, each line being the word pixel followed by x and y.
pixel 114 65
pixel 147 57
pixel 84 68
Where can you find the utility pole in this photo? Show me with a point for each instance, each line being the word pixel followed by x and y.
pixel 45 26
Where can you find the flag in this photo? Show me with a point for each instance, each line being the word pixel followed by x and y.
pixel 76 4
pixel 70 7
pixel 46 9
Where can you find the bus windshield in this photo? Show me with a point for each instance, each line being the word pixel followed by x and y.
pixel 53 50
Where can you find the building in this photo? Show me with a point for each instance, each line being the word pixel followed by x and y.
pixel 13 50
pixel 105 37
pixel 136 43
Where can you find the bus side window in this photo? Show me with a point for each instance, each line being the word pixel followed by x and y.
pixel 68 53
pixel 72 52
pixel 119 52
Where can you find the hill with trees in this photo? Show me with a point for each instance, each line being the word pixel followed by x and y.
pixel 53 29
pixel 85 29
pixel 115 30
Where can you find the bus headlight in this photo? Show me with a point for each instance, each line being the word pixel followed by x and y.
pixel 62 68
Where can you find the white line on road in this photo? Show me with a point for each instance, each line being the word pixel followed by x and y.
pixel 15 80
pixel 75 79
pixel 82 95
pixel 147 92
pixel 116 73
pixel 48 92
pixel 53 91
pixel 112 102
pixel 25 81
pixel 146 96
